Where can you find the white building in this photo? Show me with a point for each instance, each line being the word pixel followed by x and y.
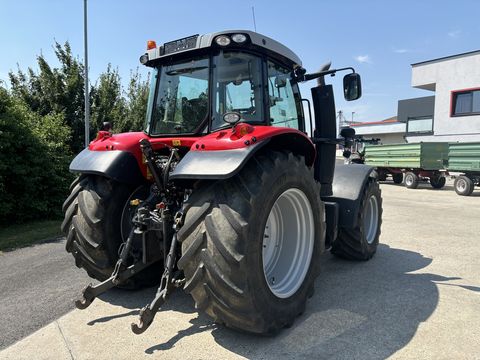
pixel 456 115
pixel 389 131
pixel 451 113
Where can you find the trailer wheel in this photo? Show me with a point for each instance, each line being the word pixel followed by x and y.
pixel 397 178
pixel 382 175
pixel 437 181
pixel 411 180
pixel 95 218
pixel 463 185
pixel 251 244
pixel 361 242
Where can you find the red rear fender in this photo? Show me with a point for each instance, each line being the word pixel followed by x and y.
pixel 241 139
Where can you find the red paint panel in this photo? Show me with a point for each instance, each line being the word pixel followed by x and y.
pixel 230 139
pixel 242 135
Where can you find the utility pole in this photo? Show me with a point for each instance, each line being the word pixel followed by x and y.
pixel 87 97
pixel 339 121
pixel 353 112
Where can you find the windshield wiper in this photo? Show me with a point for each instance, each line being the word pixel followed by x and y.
pixel 185 70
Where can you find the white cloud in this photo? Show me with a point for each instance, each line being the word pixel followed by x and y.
pixel 363 59
pixel 401 51
pixel 454 34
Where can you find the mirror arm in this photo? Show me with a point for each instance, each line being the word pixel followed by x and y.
pixel 307 77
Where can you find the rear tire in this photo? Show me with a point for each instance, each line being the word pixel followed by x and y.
pixel 411 180
pixel 226 256
pixel 438 181
pixel 463 185
pixel 93 227
pixel 361 242
pixel 397 178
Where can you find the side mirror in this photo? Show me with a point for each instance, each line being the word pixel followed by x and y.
pixel 347 133
pixel 352 86
pixel 107 126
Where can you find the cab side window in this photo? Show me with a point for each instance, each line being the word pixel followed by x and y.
pixel 284 98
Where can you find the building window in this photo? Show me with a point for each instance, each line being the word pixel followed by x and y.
pixel 466 102
pixel 420 125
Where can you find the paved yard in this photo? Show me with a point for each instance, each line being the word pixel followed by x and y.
pixel 418 298
pixel 38 284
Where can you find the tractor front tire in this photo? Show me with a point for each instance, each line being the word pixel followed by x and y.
pixel 361 242
pixel 92 225
pixel 251 244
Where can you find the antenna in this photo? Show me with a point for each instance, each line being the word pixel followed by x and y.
pixel 253 15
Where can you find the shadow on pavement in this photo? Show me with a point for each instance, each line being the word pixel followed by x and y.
pixel 199 324
pixel 111 317
pixel 137 299
pixel 360 310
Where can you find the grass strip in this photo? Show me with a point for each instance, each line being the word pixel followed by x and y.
pixel 21 235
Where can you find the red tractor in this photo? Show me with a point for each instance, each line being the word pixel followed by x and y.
pixel 223 194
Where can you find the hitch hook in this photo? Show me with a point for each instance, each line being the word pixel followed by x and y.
pixel 87 297
pixel 147 314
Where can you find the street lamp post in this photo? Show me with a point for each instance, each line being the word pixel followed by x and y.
pixel 87 97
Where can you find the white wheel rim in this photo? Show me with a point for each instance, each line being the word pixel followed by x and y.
pixel 370 220
pixel 409 180
pixel 288 243
pixel 461 185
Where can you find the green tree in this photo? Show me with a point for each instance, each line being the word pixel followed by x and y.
pixel 108 103
pixel 34 158
pixel 55 90
pixel 136 104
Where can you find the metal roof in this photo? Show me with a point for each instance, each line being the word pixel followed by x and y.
pixel 447 57
pixel 206 40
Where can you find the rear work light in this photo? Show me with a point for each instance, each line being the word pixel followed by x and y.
pixel 144 59
pixel 239 38
pixel 222 40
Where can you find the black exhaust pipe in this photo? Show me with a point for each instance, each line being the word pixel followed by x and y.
pixel 325 135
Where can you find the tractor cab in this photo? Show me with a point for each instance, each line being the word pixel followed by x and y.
pixel 202 84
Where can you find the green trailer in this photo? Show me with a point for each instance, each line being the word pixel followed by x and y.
pixel 411 163
pixel 464 158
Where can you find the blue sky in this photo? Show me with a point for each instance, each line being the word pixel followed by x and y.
pixel 379 38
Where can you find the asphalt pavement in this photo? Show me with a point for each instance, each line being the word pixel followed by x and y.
pixel 418 298
pixel 37 285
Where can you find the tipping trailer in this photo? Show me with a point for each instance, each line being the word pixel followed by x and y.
pixel 223 194
pixel 464 158
pixel 410 163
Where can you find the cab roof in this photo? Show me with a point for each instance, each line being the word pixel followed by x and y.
pixel 196 42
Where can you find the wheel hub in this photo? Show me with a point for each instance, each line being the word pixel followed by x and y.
pixel 408 180
pixel 288 242
pixel 370 220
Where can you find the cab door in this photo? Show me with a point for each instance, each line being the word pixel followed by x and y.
pixel 284 100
